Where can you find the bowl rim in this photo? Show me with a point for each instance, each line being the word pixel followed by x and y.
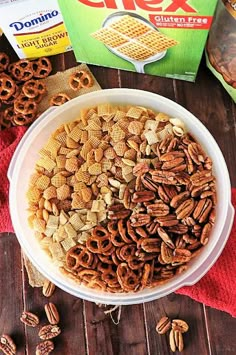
pixel 14 170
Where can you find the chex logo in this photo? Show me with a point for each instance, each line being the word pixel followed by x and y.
pixel 18 26
pixel 149 5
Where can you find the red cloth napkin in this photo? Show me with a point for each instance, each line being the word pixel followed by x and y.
pixel 216 289
pixel 9 139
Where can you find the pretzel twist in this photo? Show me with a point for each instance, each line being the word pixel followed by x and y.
pixel 80 79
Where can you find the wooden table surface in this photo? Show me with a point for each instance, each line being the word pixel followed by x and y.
pixel 86 329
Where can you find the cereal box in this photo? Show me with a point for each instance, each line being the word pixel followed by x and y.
pixel 157 37
pixel 34 28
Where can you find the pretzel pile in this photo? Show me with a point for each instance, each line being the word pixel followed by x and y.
pixel 21 89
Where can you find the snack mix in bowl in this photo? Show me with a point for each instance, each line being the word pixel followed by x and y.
pixel 122 198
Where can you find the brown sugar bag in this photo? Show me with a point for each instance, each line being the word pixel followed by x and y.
pixel 221 46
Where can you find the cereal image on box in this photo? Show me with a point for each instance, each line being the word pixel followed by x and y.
pixel 133 38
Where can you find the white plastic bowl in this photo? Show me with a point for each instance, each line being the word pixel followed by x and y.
pixel 22 166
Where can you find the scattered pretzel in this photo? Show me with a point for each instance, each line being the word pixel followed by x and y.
pixel 7 87
pixel 11 99
pixel 25 105
pixel 34 88
pixel 4 61
pixel 22 70
pixel 3 122
pixel 21 87
pixel 80 79
pixel 59 99
pixel 23 120
pixel 9 113
pixel 41 68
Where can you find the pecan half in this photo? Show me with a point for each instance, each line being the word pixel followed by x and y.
pixel 178 199
pixel 168 220
pixel 176 340
pixel 178 229
pixel 180 242
pixel 166 238
pixel 185 209
pixel 152 227
pixel 170 156
pixel 164 177
pixel 159 208
pixel 181 256
pixel 45 348
pixel 140 169
pixel 139 219
pixel 202 209
pixel 169 165
pixel 201 178
pixel 151 245
pixel 7 345
pixel 113 215
pixel 206 230
pixel 166 253
pixel 148 183
pixel 163 195
pixel 180 325
pixel 52 313
pixel 143 196
pixel 196 153
pixel 49 331
pixel 30 319
pixel 163 325
pixel 190 167
pixel 48 288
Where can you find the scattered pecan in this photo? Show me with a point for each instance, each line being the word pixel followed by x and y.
pixel 49 331
pixel 48 288
pixel 180 325
pixel 30 319
pixel 163 325
pixel 52 313
pixel 45 348
pixel 176 340
pixel 7 345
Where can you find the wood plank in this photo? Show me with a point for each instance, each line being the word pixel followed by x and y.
pixel 11 303
pixel 70 309
pixel 158 85
pixel 221 328
pixel 176 307
pixel 107 78
pixel 106 338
